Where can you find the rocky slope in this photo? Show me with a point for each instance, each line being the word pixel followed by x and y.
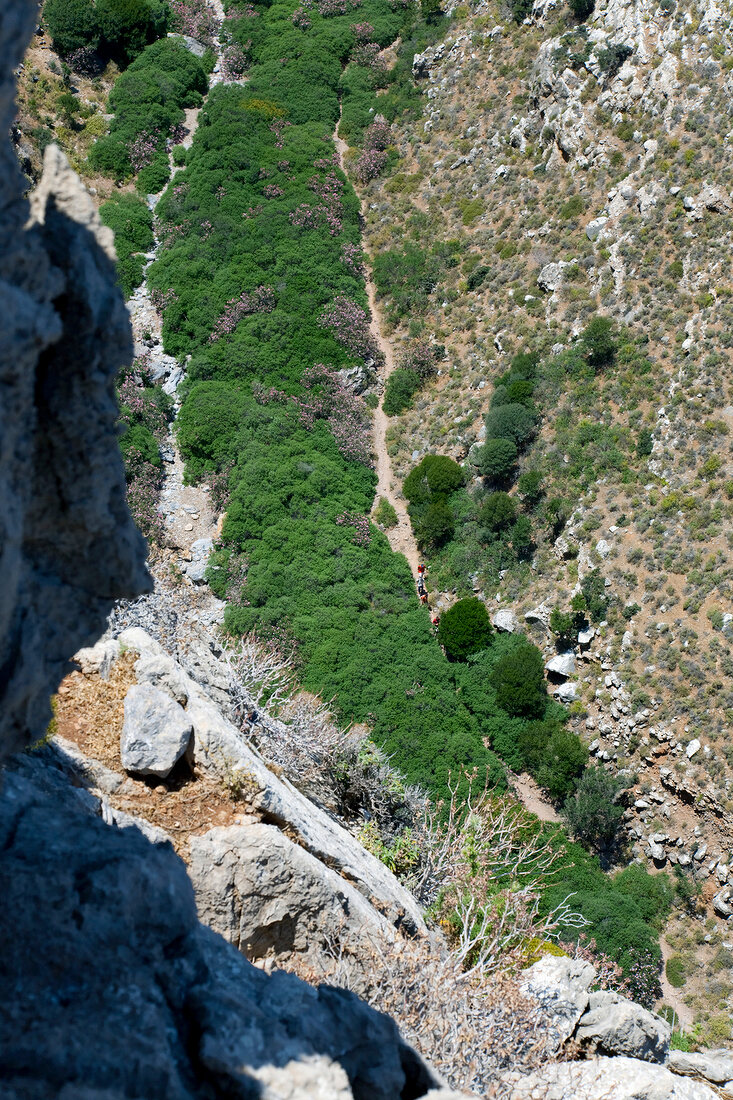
pixel 583 168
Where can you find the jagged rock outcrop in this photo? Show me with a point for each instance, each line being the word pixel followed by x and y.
pixel 110 985
pixel 220 750
pixel 272 899
pixel 606 1078
pixel 68 547
pixel 601 1022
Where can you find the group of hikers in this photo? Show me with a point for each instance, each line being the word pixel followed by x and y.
pixel 423 592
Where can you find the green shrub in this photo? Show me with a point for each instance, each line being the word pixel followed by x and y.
pixel 122 27
pixel 562 765
pixel 132 224
pixel 477 277
pixel 464 629
pixel 385 514
pixel 592 812
pixel 593 587
pixel 127 26
pixel 565 625
pixel 645 443
pixel 402 385
pixel 519 682
pixel 573 208
pixel 497 511
pixel 529 487
pixel 435 475
pixel 610 60
pixel 72 24
pixel 497 459
pixel 433 526
pixel 512 421
pixel 675 971
pixel 581 9
pixel 599 342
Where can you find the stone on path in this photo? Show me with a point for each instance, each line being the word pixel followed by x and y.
pixel 156 731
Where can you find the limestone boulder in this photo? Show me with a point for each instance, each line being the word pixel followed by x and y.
pixel 505 621
pixel 563 664
pixel 614 1025
pixel 271 898
pixel 604 1079
pixel 155 733
pixel 713 1065
pixel 560 985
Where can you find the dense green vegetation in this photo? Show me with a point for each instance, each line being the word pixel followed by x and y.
pixel 260 283
pixel 148 103
pixel 132 224
pixel 119 28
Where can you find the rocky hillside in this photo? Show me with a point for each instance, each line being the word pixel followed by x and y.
pixel 562 170
pixel 541 296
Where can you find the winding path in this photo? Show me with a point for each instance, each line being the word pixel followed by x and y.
pixel 400 537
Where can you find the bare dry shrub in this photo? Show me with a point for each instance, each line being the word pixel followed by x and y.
pixel 470 1028
pixel 295 731
pixel 483 866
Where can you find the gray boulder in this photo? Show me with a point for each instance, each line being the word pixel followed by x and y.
pixel 156 732
pixel 563 664
pixel 604 1079
pixel 713 1065
pixel 271 898
pixel 505 621
pixel 615 1025
pixel 561 986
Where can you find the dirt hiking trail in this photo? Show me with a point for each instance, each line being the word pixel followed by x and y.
pixel 400 537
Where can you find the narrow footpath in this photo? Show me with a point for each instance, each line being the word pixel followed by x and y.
pixel 400 537
pixel 189 521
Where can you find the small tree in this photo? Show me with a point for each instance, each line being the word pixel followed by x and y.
pixel 593 813
pixel 519 682
pixel 564 759
pixel 434 526
pixel 496 460
pixel 512 421
pixel 600 342
pixel 565 628
pixel 436 475
pixel 464 629
pixel 581 9
pixel 72 24
pixel 529 487
pixel 498 511
pixel 594 592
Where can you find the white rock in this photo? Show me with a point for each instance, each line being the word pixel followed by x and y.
pixel 603 548
pixel 505 621
pixel 561 986
pixel 692 748
pixel 606 1078
pixel 594 228
pixel 563 664
pixel 155 733
pixel 713 1065
pixel 615 1025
